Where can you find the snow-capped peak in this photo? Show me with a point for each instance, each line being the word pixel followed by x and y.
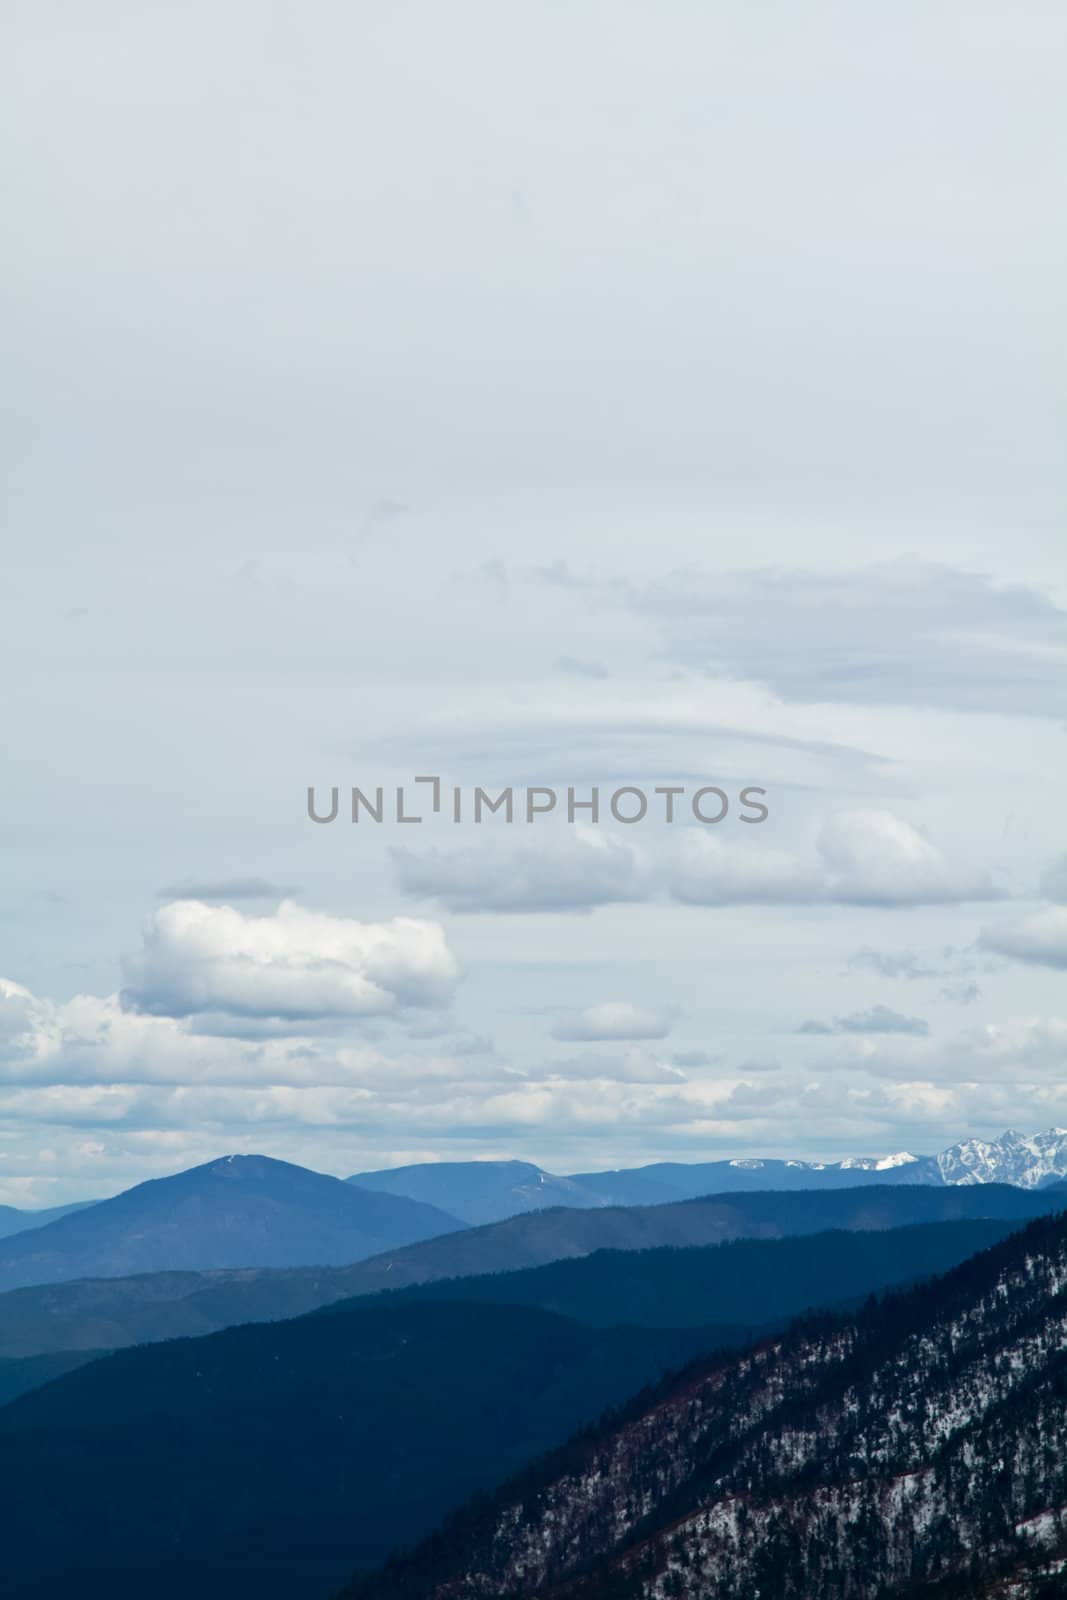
pixel 1029 1160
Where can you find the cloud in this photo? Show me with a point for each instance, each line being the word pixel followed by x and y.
pixel 762 1063
pixel 866 858
pixel 615 1019
pixel 960 992
pixel 695 1058
pixel 903 632
pixel 1028 1050
pixel 1054 881
pixel 225 889
pixel 879 1019
pixel 634 1066
pixel 198 960
pixel 869 858
pixel 1039 939
pixel 570 872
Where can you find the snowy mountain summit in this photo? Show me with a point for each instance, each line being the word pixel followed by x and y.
pixel 1030 1160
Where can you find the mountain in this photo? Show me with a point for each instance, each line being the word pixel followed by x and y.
pixel 488 1191
pixel 19 1377
pixel 352 1431
pixel 736 1288
pixel 1031 1160
pixel 12 1220
pixel 264 1460
pixel 106 1314
pixel 745 1283
pixel 239 1211
pixel 918 1448
pixel 481 1191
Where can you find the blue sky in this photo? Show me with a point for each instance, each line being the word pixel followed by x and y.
pixel 560 395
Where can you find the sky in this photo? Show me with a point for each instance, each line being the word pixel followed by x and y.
pixel 561 395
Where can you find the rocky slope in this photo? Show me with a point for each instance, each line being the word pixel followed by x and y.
pixel 919 1448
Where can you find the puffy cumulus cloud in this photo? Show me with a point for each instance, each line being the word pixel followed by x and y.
pixel 292 965
pixel 566 871
pixel 1039 939
pixel 904 632
pixel 867 858
pixel 614 1019
pixel 862 858
pixel 879 1019
pixel 97 1042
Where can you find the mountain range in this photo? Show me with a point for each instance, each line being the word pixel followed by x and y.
pixel 13 1221
pixel 916 1449
pixel 239 1211
pixel 488 1191
pixel 270 1460
pixel 107 1313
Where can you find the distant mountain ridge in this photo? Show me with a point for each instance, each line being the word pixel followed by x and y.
pixel 13 1221
pixel 106 1313
pixel 235 1212
pixel 489 1191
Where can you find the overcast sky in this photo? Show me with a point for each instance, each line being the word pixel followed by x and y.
pixel 560 394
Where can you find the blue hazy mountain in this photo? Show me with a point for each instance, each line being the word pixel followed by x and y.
pixel 489 1191
pixel 483 1191
pixel 96 1313
pixel 13 1220
pixel 240 1211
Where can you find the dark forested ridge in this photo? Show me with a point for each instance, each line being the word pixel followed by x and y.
pixel 240 1211
pixel 267 1459
pixel 745 1283
pixel 110 1313
pixel 918 1448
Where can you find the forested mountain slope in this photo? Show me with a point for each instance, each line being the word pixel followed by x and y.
pixel 241 1211
pixel 920 1443
pixel 92 1314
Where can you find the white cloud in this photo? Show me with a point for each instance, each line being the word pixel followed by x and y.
pixel 1030 1050
pixel 864 857
pixel 633 1066
pixel 96 1040
pixel 294 964
pixel 614 1019
pixel 1040 939
pixel 570 871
